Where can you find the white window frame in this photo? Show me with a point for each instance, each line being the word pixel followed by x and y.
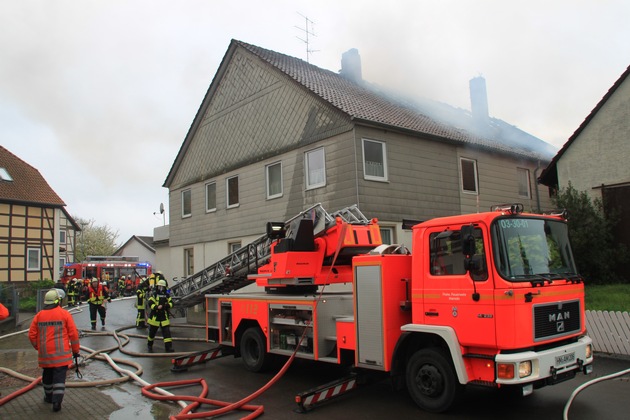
pixel 62 236
pixel 312 181
pixel 475 175
pixel 367 176
pixel 4 175
pixel 227 192
pixel 268 180
pixel 33 253
pixel 522 174
pixel 186 192
pixel 208 208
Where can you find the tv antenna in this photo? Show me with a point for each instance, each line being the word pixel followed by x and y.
pixel 308 32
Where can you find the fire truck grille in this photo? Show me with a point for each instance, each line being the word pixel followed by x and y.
pixel 556 320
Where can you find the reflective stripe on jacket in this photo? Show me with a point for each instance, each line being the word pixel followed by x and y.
pixel 159 317
pixel 54 335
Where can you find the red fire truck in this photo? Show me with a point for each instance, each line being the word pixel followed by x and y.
pixel 106 268
pixel 490 299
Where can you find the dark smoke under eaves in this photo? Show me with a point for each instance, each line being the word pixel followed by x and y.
pixel 492 129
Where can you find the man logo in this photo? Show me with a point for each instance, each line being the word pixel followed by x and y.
pixel 560 326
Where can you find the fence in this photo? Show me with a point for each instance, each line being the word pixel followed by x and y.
pixel 610 331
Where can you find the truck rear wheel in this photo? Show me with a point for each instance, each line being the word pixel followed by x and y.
pixel 431 380
pixel 254 350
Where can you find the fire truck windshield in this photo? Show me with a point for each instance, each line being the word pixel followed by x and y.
pixel 529 249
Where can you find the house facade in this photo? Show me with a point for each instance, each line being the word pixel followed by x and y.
pixel 37 235
pixel 138 246
pixel 594 159
pixel 275 135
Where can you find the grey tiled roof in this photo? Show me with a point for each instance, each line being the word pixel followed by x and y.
pixel 370 103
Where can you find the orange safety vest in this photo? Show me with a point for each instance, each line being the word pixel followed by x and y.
pixel 96 296
pixel 54 335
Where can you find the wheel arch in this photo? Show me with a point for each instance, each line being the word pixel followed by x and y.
pixel 242 327
pixel 416 337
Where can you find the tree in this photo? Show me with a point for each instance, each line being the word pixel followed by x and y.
pixel 596 253
pixel 94 240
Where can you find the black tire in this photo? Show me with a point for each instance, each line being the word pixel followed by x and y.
pixel 254 350
pixel 431 380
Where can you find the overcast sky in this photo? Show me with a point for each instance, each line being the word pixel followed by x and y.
pixel 98 95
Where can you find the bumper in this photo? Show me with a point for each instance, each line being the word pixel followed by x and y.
pixel 549 366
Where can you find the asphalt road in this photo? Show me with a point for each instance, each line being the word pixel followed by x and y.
pixel 229 381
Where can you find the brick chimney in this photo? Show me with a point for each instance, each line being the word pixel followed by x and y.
pixel 351 65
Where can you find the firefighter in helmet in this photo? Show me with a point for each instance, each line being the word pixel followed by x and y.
pixel 141 299
pixel 97 294
pixel 160 303
pixel 54 335
pixel 72 292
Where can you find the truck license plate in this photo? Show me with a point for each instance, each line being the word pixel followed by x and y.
pixel 565 359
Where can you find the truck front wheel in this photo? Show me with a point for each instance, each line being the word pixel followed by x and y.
pixel 431 380
pixel 254 350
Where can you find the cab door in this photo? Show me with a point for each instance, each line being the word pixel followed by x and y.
pixel 458 293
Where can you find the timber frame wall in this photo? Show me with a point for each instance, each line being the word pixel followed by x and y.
pixel 24 228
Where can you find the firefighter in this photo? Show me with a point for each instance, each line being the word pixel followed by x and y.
pixel 72 292
pixel 141 292
pixel 86 286
pixel 54 335
pixel 121 285
pixel 160 303
pixel 128 286
pixel 97 295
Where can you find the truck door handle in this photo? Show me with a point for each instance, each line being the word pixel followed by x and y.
pixel 431 313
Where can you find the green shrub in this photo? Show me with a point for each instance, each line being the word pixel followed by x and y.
pixel 596 253
pixel 28 294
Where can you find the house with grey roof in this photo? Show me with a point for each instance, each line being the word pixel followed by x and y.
pixel 275 135
pixel 37 235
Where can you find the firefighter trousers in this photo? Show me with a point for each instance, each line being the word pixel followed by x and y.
pixel 141 318
pixel 54 382
pixel 101 312
pixel 166 333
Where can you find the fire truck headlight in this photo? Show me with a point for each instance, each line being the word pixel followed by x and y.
pixel 525 369
pixel 505 370
pixel 589 351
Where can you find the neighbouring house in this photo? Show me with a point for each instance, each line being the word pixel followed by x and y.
pixel 138 246
pixel 595 158
pixel 37 235
pixel 275 135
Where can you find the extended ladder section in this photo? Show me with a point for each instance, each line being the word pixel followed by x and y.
pixel 230 273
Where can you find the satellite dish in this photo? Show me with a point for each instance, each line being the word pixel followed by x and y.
pixel 161 208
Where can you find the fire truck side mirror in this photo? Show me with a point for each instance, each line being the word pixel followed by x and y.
pixel 468 241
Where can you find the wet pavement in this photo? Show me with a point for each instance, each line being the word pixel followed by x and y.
pixel 228 381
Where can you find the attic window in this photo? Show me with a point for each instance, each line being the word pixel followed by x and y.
pixel 4 175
